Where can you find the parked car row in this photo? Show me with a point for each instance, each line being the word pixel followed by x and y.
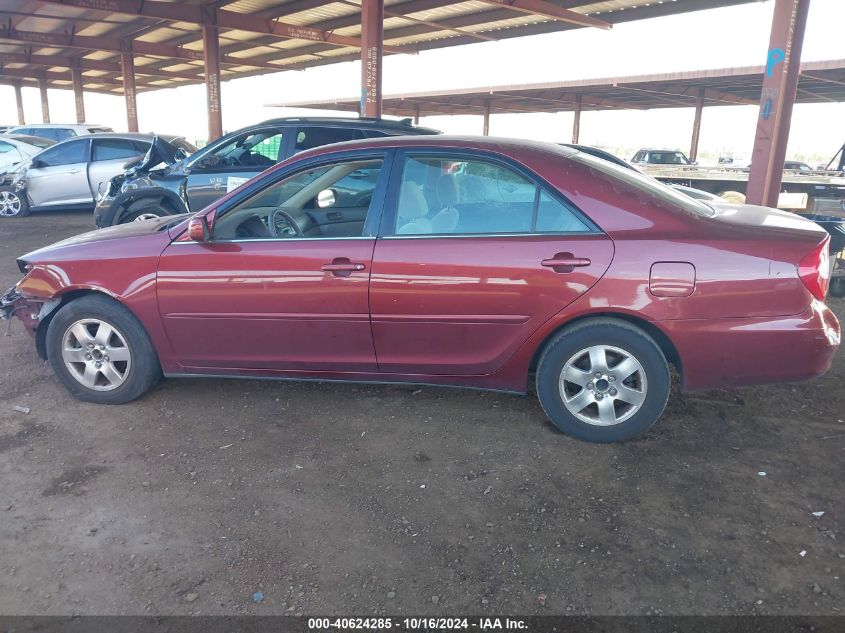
pixel 68 174
pixel 58 132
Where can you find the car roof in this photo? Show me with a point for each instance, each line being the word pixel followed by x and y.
pixel 61 125
pixel 362 122
pixel 655 149
pixel 135 136
pixel 25 138
pixel 504 146
pixel 131 136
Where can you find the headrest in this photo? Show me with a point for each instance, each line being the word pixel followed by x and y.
pixel 446 191
pixel 412 202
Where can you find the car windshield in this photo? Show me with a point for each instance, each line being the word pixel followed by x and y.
pixel 667 158
pixel 647 185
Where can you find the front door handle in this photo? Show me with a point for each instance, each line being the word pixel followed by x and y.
pixel 565 262
pixel 342 267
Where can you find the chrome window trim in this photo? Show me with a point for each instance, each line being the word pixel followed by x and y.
pixel 279 239
pixel 483 235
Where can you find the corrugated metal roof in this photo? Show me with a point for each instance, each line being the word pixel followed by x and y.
pixel 58 29
pixel 819 82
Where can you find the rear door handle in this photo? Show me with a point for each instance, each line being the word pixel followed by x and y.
pixel 334 215
pixel 565 262
pixel 342 267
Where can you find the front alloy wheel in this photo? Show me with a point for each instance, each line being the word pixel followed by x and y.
pixel 100 351
pixel 11 204
pixel 96 354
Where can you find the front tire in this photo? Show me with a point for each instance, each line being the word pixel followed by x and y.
pixel 101 352
pixel 13 204
pixel 603 380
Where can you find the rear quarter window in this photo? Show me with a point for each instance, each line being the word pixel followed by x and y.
pixel 646 184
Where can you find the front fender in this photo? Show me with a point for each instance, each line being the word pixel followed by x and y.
pixel 138 199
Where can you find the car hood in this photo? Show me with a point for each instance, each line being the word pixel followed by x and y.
pixel 161 153
pixel 154 229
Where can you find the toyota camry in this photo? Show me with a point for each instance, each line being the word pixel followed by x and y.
pixel 481 263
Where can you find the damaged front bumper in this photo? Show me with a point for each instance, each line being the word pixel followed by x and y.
pixel 29 310
pixel 10 303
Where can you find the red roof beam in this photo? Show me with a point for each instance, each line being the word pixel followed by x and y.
pixel 549 10
pixel 216 18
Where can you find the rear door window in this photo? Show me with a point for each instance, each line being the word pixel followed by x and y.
pixel 114 149
pixel 47 132
pixel 467 196
pixel 310 137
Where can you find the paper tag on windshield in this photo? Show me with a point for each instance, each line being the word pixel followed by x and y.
pixel 233 182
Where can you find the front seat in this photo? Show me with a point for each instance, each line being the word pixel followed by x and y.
pixel 411 215
pixel 446 219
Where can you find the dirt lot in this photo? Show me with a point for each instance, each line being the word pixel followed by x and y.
pixel 368 499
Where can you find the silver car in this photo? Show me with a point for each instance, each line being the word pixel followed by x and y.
pixel 68 174
pixel 58 131
pixel 16 148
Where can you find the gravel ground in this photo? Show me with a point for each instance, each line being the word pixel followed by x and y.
pixel 346 499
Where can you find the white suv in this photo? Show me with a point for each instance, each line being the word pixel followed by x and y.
pixel 57 131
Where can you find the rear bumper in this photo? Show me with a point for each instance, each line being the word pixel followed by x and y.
pixel 736 352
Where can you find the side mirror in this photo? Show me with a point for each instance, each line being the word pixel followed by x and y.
pixel 37 163
pixel 198 229
pixel 326 198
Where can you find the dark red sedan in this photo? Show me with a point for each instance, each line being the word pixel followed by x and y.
pixel 453 261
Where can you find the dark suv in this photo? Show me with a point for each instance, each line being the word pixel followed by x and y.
pixel 167 182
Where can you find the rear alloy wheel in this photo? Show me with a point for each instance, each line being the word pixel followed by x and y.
pixel 13 204
pixel 100 351
pixel 603 381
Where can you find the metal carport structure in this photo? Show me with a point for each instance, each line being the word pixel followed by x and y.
pixel 820 82
pixel 127 46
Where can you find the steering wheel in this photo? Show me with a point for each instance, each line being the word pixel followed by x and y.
pixel 282 224
pixel 256 160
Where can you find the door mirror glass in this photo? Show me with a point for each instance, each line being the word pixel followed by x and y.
pixel 326 198
pixel 198 229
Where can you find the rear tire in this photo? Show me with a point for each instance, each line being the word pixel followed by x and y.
pixel 13 204
pixel 101 352
pixel 603 380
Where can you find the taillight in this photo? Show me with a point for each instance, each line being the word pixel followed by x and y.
pixel 814 270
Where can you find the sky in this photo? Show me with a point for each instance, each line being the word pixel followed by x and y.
pixel 716 38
